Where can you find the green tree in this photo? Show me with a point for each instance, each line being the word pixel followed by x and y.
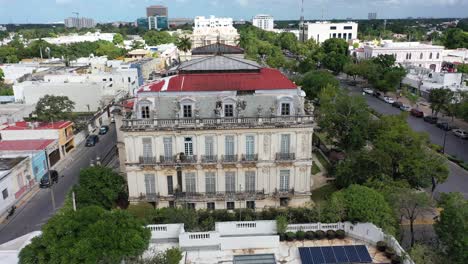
pixel 455 38
pixel 118 39
pixel 2 75
pixel 358 168
pixel 352 70
pixel 345 118
pixel 99 186
pixel 184 43
pixel 137 44
pixel 154 38
pixel 170 256
pixel 314 81
pixel 89 235
pixel 423 254
pixel 440 98
pixel 108 49
pixel 54 108
pixel 462 68
pixel 452 227
pixel 281 224
pixel 335 54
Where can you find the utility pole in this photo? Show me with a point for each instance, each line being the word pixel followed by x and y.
pixel 301 23
pixel 52 196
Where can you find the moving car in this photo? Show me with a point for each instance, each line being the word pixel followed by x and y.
pixel 45 183
pixel 103 130
pixel 431 119
pixel 92 140
pixel 368 91
pixel 460 133
pixel 406 108
pixel 416 112
pixel 389 100
pixel 445 126
pixel 397 104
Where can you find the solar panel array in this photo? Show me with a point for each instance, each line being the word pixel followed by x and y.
pixel 336 254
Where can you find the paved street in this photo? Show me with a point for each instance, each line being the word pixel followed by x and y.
pixel 458 178
pixel 39 209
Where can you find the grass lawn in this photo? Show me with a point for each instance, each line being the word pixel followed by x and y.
pixel 322 193
pixel 315 169
pixel 321 159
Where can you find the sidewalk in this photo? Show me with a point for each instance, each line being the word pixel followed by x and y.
pixel 21 202
pixel 319 179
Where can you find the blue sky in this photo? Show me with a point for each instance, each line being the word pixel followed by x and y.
pixel 43 11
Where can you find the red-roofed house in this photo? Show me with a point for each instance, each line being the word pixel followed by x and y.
pixel 61 131
pixel 218 132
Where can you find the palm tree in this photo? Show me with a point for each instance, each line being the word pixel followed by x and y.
pixel 184 44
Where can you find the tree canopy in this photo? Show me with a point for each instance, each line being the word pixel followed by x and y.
pixel 184 43
pixel 89 235
pixel 118 39
pixel 315 81
pixel 154 38
pixel 440 98
pixel 335 54
pixel 54 108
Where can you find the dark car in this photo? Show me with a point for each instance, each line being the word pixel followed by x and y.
pixel 377 94
pixel 397 104
pixel 445 126
pixel 431 119
pixel 103 130
pixel 45 182
pixel 92 140
pixel 417 113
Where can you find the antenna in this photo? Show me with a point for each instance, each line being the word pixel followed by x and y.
pixel 301 23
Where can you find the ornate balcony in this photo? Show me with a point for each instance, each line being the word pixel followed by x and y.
pixel 285 156
pixel 209 158
pixel 249 157
pixel 183 159
pixel 199 196
pixel 210 123
pixel 229 158
pixel 167 160
pixel 143 160
pixel 283 193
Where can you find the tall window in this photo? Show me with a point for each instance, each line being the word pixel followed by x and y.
pixel 190 183
pixel 170 185
pixel 5 194
pixel 285 109
pixel 229 145
pixel 145 111
pixel 285 143
pixel 430 56
pixel 250 181
pixel 167 142
pixel 228 110
pixel 438 55
pixel 249 146
pixel 284 180
pixel 209 146
pixel 147 148
pixel 187 110
pixel 188 144
pixel 421 56
pixel 410 56
pixel 210 182
pixel 230 181
pixel 150 184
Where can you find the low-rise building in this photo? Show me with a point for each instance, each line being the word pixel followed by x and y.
pixel 15 180
pixel 321 31
pixel 425 82
pixel 213 29
pixel 10 113
pixel 62 131
pixel 408 53
pixel 216 48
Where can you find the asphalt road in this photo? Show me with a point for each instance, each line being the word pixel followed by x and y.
pixel 38 210
pixel 458 177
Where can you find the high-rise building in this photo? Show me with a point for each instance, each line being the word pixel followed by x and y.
pixel 156 10
pixel 79 22
pixel 264 22
pixel 142 22
pixel 372 16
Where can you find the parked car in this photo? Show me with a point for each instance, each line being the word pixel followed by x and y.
pixel 377 94
pixel 397 104
pixel 406 108
pixel 416 112
pixel 389 100
pixel 45 183
pixel 445 126
pixel 103 130
pixel 368 91
pixel 92 140
pixel 460 133
pixel 431 119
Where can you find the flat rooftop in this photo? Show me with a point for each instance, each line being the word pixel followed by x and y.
pixel 21 145
pixel 23 125
pixel 9 163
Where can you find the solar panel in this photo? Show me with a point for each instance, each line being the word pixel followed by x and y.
pixel 363 253
pixel 335 255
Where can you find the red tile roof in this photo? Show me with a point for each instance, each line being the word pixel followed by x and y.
pixel 17 145
pixel 40 125
pixel 266 79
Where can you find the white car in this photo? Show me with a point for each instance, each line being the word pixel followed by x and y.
pixel 389 100
pixel 460 133
pixel 406 108
pixel 368 91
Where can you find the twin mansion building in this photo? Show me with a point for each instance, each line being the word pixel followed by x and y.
pixel 218 132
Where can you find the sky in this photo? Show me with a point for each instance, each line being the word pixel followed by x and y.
pixel 47 11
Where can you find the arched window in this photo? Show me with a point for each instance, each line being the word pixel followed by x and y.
pixel 437 55
pixel 229 106
pixel 187 107
pixel 144 109
pixel 430 56
pixel 285 106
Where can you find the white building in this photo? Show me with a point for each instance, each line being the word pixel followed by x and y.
pixel 10 113
pixel 17 71
pixel 16 179
pixel 426 82
pixel 321 31
pixel 409 53
pixel 82 22
pixel 264 22
pixel 210 30
pixel 221 133
pixel 457 56
pixel 74 38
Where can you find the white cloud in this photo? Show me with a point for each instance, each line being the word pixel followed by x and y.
pixel 243 3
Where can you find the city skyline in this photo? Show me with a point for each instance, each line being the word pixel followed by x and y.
pixel 129 10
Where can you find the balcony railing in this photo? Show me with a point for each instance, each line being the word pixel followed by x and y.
pixel 199 196
pixel 229 158
pixel 147 160
pixel 283 192
pixel 167 159
pixel 285 156
pixel 213 122
pixel 209 158
pixel 249 157
pixel 188 159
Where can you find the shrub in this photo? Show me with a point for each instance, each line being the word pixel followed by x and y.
pixel 282 237
pixel 310 235
pixel 396 259
pixel 300 235
pixel 320 234
pixel 281 224
pixel 331 234
pixel 290 236
pixel 340 234
pixel 381 246
pixel 389 252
